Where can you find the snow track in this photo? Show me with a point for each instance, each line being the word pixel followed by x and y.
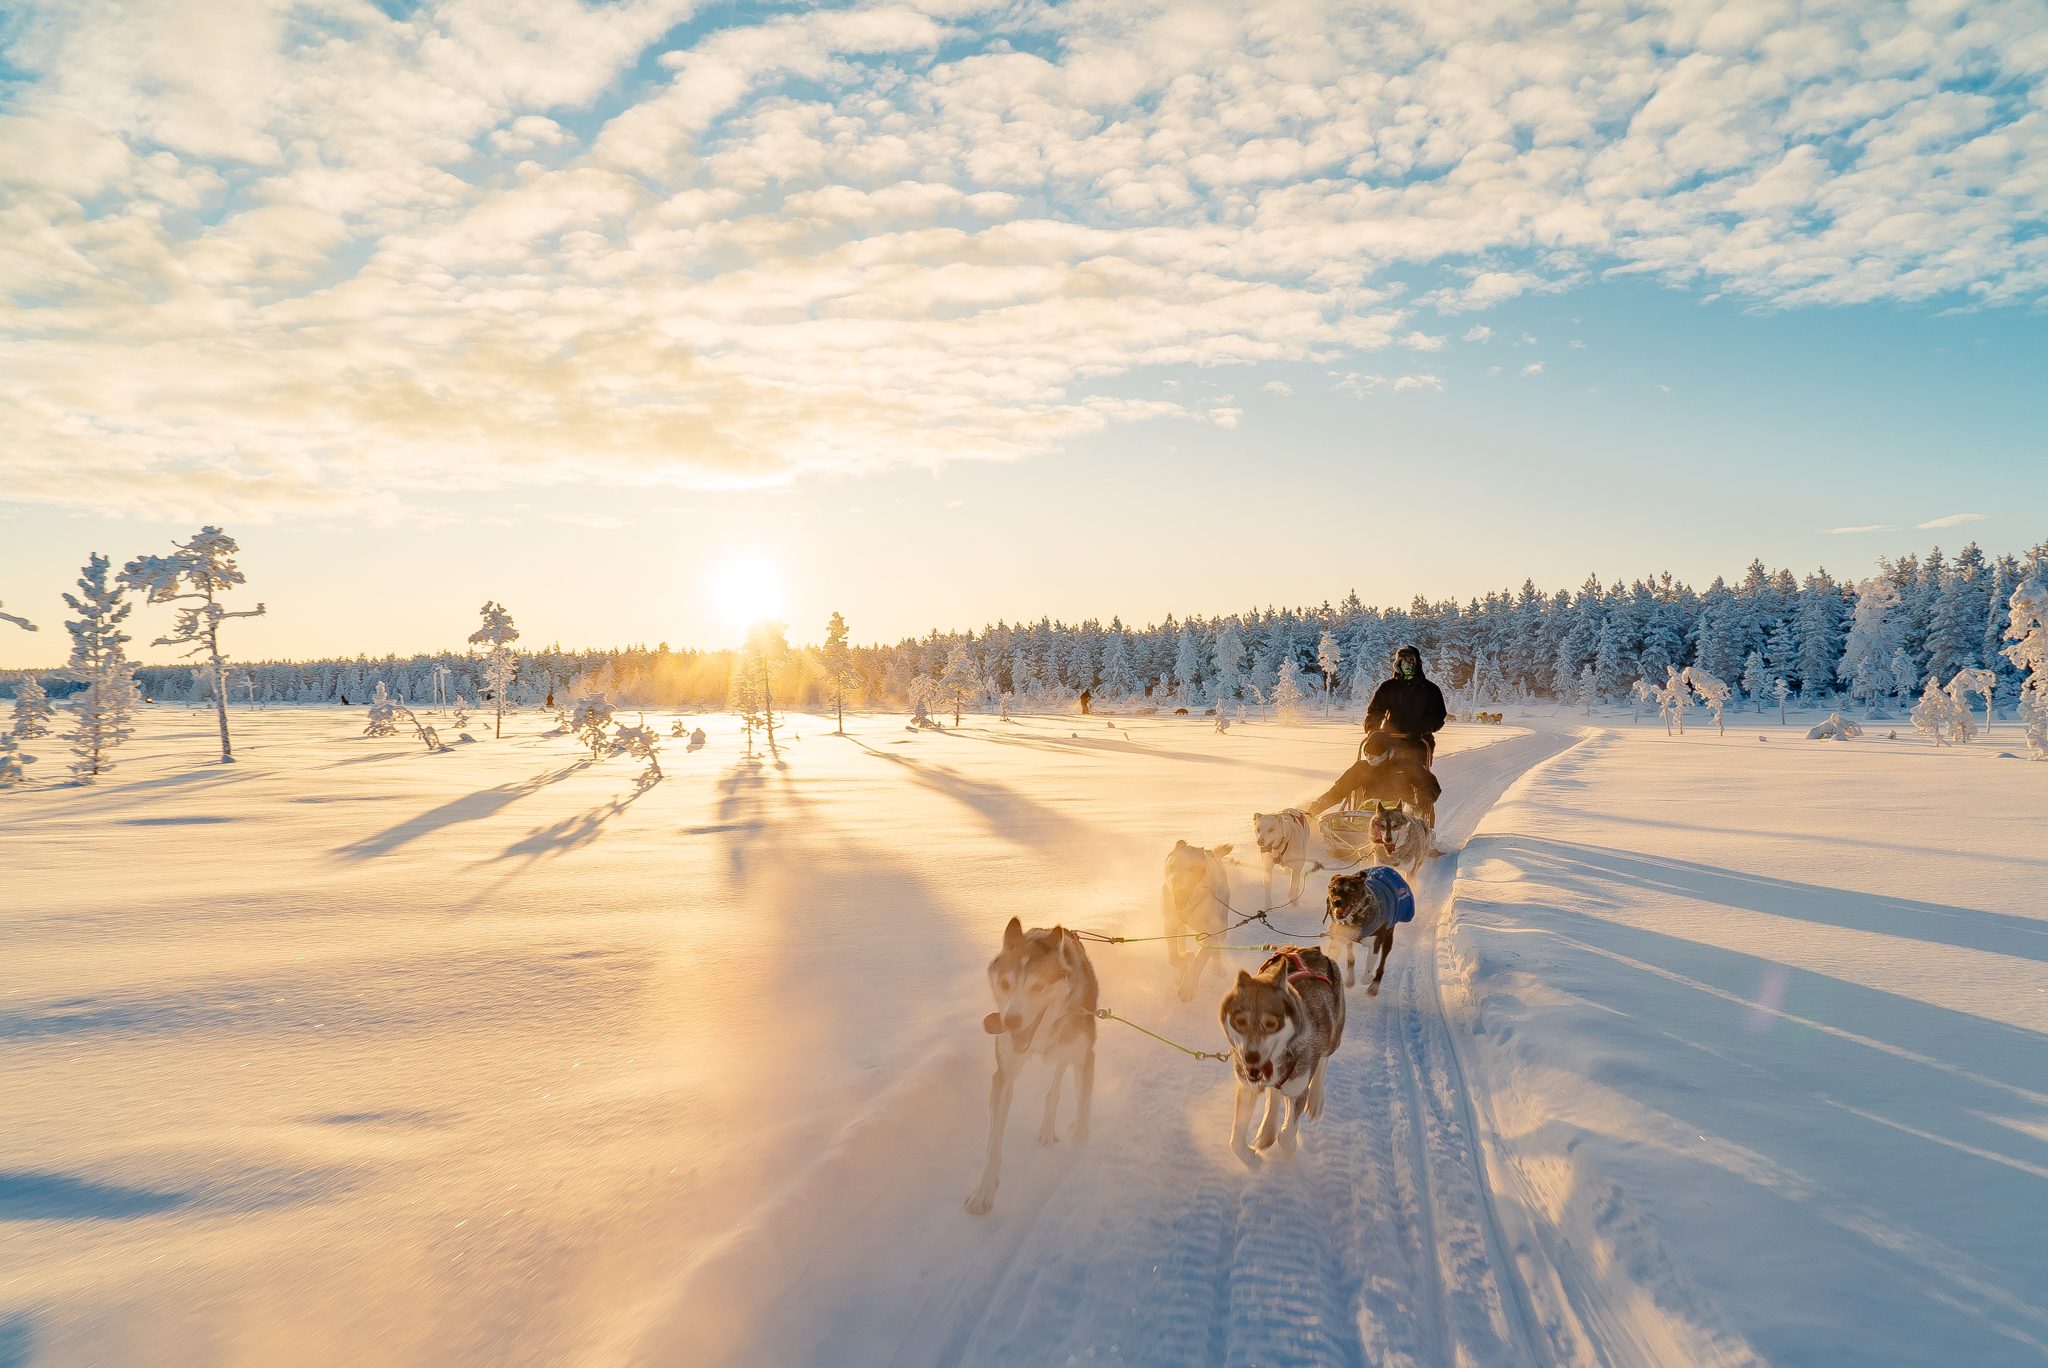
pixel 1376 1245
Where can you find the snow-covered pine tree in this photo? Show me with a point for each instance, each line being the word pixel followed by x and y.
pixel 12 760
pixel 1781 691
pixel 1287 691
pixel 1817 630
pixel 839 671
pixel 1975 680
pixel 106 718
pixel 1754 677
pixel 1330 660
pixel 1588 690
pixel 501 666
pixel 591 720
pixel 1934 713
pixel 1905 674
pixel 196 572
pixel 641 742
pixel 961 681
pixel 32 710
pixel 383 713
pixel 20 622
pixel 1674 697
pixel 1713 692
pixel 2027 630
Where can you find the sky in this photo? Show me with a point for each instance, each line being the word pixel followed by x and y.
pixel 643 318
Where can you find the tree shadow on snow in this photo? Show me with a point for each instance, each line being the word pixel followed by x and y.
pixel 1911 919
pixel 1005 811
pixel 468 808
pixel 30 1196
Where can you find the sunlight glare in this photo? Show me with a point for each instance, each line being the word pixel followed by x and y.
pixel 747 589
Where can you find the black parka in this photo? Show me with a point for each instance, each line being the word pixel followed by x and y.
pixel 1412 707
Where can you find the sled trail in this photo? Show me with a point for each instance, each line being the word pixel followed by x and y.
pixel 1375 1245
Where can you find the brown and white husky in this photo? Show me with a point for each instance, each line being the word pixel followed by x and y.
pixel 1283 1024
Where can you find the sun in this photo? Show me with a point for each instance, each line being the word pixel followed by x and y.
pixel 747 589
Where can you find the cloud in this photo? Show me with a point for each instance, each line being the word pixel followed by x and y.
pixel 1951 520
pixel 1362 384
pixel 1279 387
pixel 1533 368
pixel 1866 527
pixel 323 260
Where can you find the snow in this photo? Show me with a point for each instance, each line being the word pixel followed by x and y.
pixel 354 1052
pixel 1757 1037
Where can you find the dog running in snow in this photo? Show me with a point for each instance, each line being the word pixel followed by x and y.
pixel 1355 913
pixel 1283 841
pixel 1193 898
pixel 1399 839
pixel 1045 995
pixel 1283 1024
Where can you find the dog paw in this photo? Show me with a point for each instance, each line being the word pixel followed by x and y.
pixel 1372 990
pixel 1048 1136
pixel 1248 1157
pixel 1187 993
pixel 981 1200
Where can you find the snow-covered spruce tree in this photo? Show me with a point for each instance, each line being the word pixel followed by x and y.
pixel 12 759
pixel 32 710
pixel 1934 713
pixel 839 671
pixel 106 718
pixel 1975 680
pixel 1781 691
pixel 197 572
pixel 383 713
pixel 1754 677
pixel 20 622
pixel 1713 692
pixel 1586 691
pixel 1866 664
pixel 97 640
pixel 501 666
pixel 2027 630
pixel 1287 692
pixel 1119 676
pixel 1229 663
pixel 1187 666
pixel 1329 659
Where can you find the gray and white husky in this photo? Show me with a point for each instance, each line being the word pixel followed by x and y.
pixel 1193 898
pixel 1045 996
pixel 1399 839
pixel 1283 1024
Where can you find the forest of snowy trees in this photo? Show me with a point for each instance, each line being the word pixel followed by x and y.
pixel 1874 643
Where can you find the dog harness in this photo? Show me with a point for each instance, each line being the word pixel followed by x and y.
pixel 1300 969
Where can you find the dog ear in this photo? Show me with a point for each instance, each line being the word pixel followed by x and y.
pixel 1013 934
pixel 1180 845
pixel 1244 979
pixel 1220 851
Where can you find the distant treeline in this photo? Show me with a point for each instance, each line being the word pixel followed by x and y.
pixel 1917 616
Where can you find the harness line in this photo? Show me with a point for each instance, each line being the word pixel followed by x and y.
pixel 1106 1015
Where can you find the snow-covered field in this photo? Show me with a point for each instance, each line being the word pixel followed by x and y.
pixel 348 1053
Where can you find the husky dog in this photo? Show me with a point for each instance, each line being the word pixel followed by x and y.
pixel 1283 840
pixel 1283 1024
pixel 1399 838
pixel 1045 995
pixel 1194 897
pixel 1354 912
